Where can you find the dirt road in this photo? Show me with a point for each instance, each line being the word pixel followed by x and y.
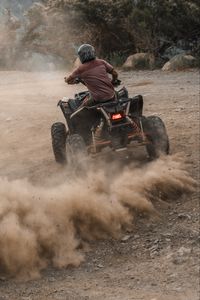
pixel 156 259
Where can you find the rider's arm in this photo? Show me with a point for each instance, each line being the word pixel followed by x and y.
pixel 114 75
pixel 110 69
pixel 71 79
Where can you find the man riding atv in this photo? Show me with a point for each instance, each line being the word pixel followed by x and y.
pixel 102 117
pixel 93 73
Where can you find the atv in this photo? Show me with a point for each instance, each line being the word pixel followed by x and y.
pixel 117 124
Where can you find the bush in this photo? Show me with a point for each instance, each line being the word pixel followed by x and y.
pixel 126 26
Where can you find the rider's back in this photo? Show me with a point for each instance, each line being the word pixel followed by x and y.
pixel 94 73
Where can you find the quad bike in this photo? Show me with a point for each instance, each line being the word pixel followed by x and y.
pixel 115 124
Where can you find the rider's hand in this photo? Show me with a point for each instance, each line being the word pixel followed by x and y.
pixel 69 80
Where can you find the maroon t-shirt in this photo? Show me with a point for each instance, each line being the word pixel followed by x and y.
pixel 95 76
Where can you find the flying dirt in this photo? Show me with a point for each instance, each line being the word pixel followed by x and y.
pixel 41 226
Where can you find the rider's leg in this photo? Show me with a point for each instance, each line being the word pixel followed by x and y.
pixel 89 101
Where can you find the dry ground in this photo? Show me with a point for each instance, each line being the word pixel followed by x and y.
pixel 158 261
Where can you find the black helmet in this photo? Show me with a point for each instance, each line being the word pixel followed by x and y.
pixel 86 53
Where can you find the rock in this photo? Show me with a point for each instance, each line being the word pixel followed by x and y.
pixel 156 241
pixel 172 51
pixel 136 236
pixel 139 61
pixel 177 289
pixel 178 260
pixel 52 279
pixel 154 254
pixel 153 284
pixel 180 62
pixel 178 109
pixel 184 251
pixel 129 230
pixel 181 256
pixel 154 250
pixel 168 240
pixel 172 277
pixel 166 234
pixel 184 216
pixel 100 266
pixel 125 238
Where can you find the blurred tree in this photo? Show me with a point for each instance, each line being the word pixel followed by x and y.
pixel 125 26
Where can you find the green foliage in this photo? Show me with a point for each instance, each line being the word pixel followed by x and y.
pixel 117 58
pixel 154 21
pixel 132 25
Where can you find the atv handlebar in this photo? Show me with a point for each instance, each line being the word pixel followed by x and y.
pixel 78 80
pixel 116 82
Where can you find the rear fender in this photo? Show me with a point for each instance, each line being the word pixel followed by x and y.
pixel 136 106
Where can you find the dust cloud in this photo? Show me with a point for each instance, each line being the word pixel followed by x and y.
pixel 49 225
pixel 27 37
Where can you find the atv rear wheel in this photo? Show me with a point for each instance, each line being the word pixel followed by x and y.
pixel 76 150
pixel 156 133
pixel 59 135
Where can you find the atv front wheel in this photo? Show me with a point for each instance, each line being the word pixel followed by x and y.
pixel 58 135
pixel 156 133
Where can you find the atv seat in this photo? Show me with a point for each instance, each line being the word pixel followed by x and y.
pixel 109 103
pixel 104 104
pixel 110 106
